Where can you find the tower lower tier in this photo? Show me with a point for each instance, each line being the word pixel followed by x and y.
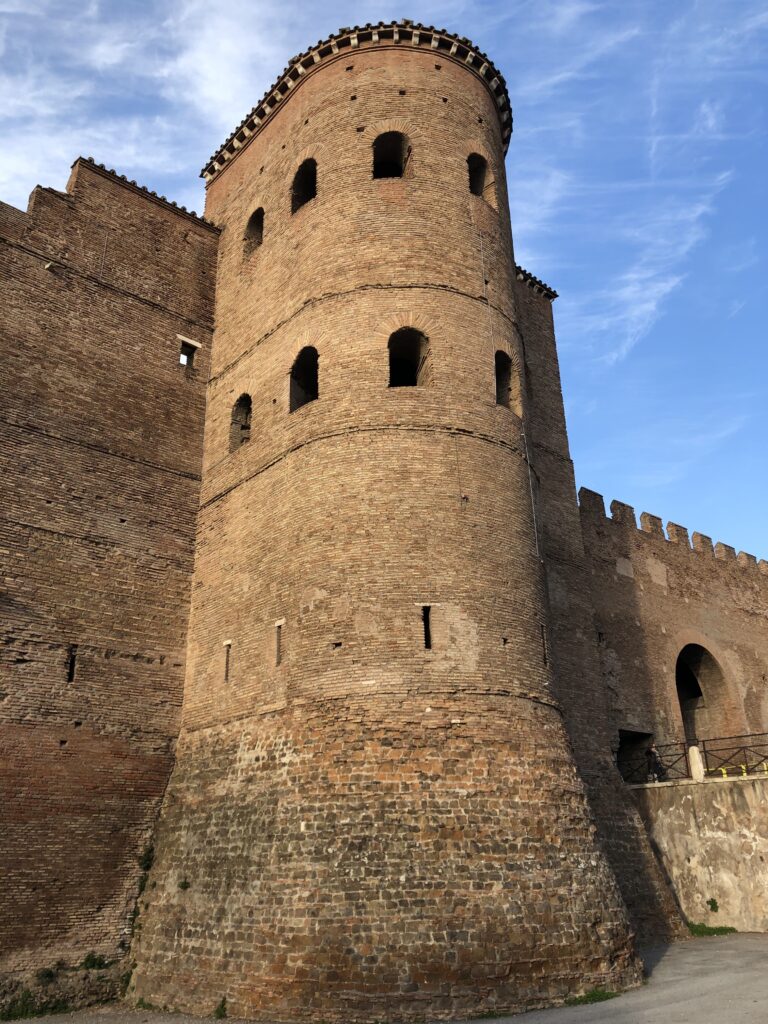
pixel 374 858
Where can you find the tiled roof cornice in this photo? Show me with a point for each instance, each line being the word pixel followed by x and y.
pixel 534 282
pixel 397 33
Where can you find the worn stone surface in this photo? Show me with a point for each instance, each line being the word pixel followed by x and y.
pixel 709 980
pixel 712 837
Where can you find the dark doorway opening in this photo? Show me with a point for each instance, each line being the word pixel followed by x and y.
pixel 630 757
pixel 694 665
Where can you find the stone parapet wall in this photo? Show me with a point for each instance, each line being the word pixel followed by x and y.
pixel 712 838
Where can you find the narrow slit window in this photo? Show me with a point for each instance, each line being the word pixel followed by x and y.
pixel 304 386
pixel 254 229
pixel 278 643
pixel 72 663
pixel 409 359
pixel 503 379
pixel 227 660
pixel 391 152
pixel 544 650
pixel 426 620
pixel 304 186
pixel 240 426
pixel 477 166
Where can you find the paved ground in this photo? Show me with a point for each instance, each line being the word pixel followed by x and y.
pixel 722 980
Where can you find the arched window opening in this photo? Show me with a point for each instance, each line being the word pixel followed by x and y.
pixel 304 185
pixel 240 427
pixel 478 171
pixel 701 693
pixel 391 152
pixel 409 363
pixel 304 387
pixel 503 379
pixel 254 229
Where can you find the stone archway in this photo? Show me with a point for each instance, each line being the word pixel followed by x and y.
pixel 701 692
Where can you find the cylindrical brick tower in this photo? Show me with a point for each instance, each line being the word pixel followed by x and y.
pixel 375 812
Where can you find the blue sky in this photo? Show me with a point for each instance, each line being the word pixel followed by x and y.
pixel 637 176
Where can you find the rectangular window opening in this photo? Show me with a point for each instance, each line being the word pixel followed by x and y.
pixel 544 651
pixel 72 663
pixel 278 643
pixel 426 611
pixel 227 660
pixel 187 350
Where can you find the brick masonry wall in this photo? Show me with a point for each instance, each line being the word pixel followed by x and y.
pixel 656 592
pixel 101 446
pixel 579 682
pixel 363 828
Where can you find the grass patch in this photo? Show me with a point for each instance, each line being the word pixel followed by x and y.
pixel 708 929
pixel 142 1004
pixel 125 981
pixel 221 1010
pixel 94 962
pixel 184 883
pixel 25 1005
pixel 147 858
pixel 595 995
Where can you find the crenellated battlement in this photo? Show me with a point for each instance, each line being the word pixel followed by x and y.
pixel 592 506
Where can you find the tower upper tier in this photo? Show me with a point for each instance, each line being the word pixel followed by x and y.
pixel 349 40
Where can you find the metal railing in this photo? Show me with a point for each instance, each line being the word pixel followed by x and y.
pixel 731 757
pixel 674 765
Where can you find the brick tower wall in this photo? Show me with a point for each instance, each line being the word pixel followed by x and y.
pixel 101 446
pixel 360 827
pixel 579 683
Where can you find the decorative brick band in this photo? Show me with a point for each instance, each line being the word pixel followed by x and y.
pixel 398 33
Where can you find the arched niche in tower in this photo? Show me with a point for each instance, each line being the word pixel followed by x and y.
pixel 304 385
pixel 304 187
pixel 481 181
pixel 254 230
pixel 508 383
pixel 240 423
pixel 391 153
pixel 409 359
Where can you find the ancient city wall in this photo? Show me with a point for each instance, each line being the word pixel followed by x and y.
pixel 368 820
pixel 655 593
pixel 712 838
pixel 101 445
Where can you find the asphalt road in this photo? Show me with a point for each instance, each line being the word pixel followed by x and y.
pixel 718 980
